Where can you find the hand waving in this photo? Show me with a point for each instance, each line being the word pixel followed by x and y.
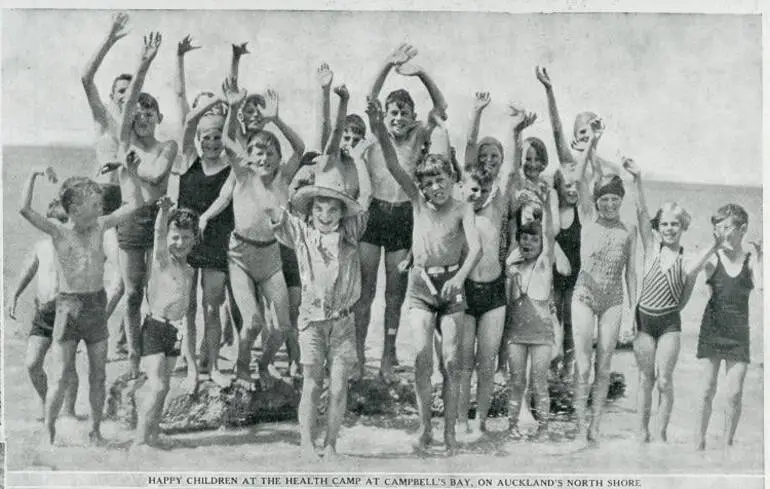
pixel 324 75
pixel 403 54
pixel 185 46
pixel 151 45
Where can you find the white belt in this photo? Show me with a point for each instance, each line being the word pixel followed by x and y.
pixel 438 270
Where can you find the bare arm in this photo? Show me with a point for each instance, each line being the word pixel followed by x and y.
pixel 473 241
pixel 643 216
pixel 409 69
pixel 28 272
pixel 549 230
pixel 565 155
pixel 480 101
pixel 325 77
pixel 401 55
pixel 222 201
pixel 125 211
pixel 291 166
pixel 238 51
pixel 374 111
pixel 333 144
pixel 183 47
pixel 693 268
pixel 521 120
pixel 233 150
pixel 585 201
pixel 149 51
pixel 34 218
pixel 155 171
pixel 98 110
pixel 160 248
pixel 631 284
pixel 191 127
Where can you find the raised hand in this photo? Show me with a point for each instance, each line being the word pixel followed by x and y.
pixel 342 92
pixel 409 69
pixel 132 162
pixel 231 92
pixel 12 310
pixel 240 49
pixel 165 203
pixel 597 126
pixel 271 105
pixel 374 112
pixel 631 167
pixel 481 100
pixel 542 75
pixel 50 174
pixel 324 75
pixel 521 118
pixel 185 45
pixel 403 54
pixel 118 28
pixel 437 115
pixel 151 45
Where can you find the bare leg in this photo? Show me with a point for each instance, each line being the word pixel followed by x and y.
pixel 467 364
pixel 134 266
pixel 213 282
pixel 292 344
pixel 245 294
pixel 609 326
pixel 736 374
pixel 63 353
pixel 489 335
pixel 541 360
pixel 665 359
pixel 191 329
pixel 451 328
pixel 395 291
pixel 582 333
pixel 157 386
pixel 277 302
pixel 644 350
pixel 517 384
pixel 97 387
pixel 312 383
pixel 37 347
pixel 338 398
pixel 370 262
pixel 423 322
pixel 709 373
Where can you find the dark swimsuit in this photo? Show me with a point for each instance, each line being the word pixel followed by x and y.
pixel 724 330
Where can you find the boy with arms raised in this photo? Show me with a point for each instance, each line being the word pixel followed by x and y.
pixel 390 213
pixel 168 294
pixel 140 117
pixel 444 228
pixel 254 256
pixel 42 262
pixel 326 243
pixel 81 300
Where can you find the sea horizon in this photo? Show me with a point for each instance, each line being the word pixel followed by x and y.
pixel 652 176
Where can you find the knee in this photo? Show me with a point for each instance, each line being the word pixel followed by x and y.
pixel 158 387
pixel 312 383
pixel 452 365
pixel 423 362
pixel 134 296
pixel 34 364
pixel 96 376
pixel 734 396
pixel 708 393
pixel 647 378
pixel 517 381
pixel 666 384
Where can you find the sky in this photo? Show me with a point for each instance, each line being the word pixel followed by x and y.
pixel 681 94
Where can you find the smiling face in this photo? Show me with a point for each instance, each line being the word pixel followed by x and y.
pixel 608 206
pixel 530 245
pixel 399 119
pixel 211 143
pixel 490 158
pixel 533 164
pixel 146 120
pixel 251 115
pixel 437 188
pixel 670 228
pixel 119 91
pixel 85 209
pixel 350 139
pixel 568 193
pixel 477 192
pixel 264 158
pixel 326 214
pixel 179 241
pixel 732 232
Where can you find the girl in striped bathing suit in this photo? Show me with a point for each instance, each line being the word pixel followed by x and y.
pixel 666 287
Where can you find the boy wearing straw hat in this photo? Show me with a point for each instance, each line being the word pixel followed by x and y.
pixel 326 240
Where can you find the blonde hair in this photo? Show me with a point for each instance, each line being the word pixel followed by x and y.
pixel 681 215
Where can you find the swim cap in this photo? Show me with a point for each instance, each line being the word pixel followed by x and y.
pixel 493 142
pixel 609 185
pixel 209 122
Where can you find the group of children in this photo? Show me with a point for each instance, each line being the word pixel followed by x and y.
pixel 488 259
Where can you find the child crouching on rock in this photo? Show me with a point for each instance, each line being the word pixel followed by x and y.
pixel 168 295
pixel 325 239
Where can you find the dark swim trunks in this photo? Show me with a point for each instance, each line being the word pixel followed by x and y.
pixel 390 225
pixel 139 232
pixel 160 337
pixel 45 316
pixel 657 326
pixel 80 316
pixel 424 292
pixel 290 267
pixel 483 297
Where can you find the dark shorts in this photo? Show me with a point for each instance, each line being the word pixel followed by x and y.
pixel 80 316
pixel 483 297
pixel 389 225
pixel 111 197
pixel 139 232
pixel 160 337
pixel 45 316
pixel 657 326
pixel 290 267
pixel 426 296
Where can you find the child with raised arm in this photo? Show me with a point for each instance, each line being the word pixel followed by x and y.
pixel 81 300
pixel 390 213
pixel 444 229
pixel 254 255
pixel 489 188
pixel 326 242
pixel 167 295
pixel 42 262
pixel 724 330
pixel 140 118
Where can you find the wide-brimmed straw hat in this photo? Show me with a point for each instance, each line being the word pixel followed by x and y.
pixel 329 182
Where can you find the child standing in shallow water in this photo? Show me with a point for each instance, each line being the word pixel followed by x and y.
pixel 724 333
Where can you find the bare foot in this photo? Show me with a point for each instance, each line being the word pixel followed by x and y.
pixel 221 379
pixel 643 436
pixel 423 442
pixel 450 441
pixel 514 434
pixel 331 455
pixel 663 436
pixel 266 380
pixel 95 438
pixel 51 434
pixel 308 453
pixel 73 415
pixel 701 445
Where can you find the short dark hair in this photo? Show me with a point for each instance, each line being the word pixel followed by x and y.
pixel 532 228
pixel 738 213
pixel 184 218
pixel 123 76
pixel 56 211
pixel 537 211
pixel 74 189
pixel 433 165
pixel 356 124
pixel 399 97
pixel 263 139
pixel 147 101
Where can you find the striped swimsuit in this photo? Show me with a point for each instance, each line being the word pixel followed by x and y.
pixel 658 310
